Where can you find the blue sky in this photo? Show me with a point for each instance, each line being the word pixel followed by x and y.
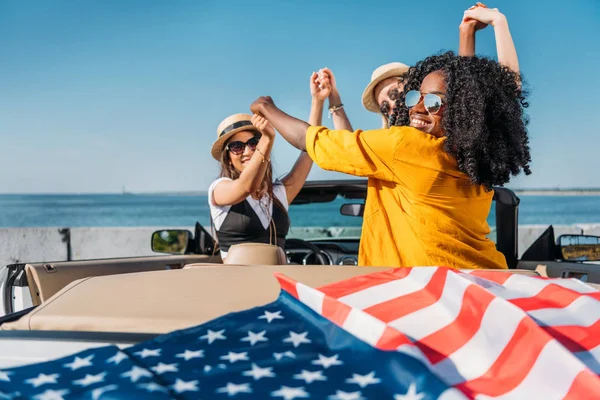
pixel 95 95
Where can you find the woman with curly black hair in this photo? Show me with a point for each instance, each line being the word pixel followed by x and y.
pixel 429 194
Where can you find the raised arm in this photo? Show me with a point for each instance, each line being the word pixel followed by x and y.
pixel 507 53
pixel 467 29
pixel 320 88
pixel 292 129
pixel 358 153
pixel 250 181
pixel 340 119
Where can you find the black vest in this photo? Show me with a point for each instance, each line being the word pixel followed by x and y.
pixel 242 225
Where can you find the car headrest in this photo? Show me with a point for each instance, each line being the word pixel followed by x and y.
pixel 255 254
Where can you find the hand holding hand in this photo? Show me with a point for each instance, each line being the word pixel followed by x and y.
pixel 470 23
pixel 320 85
pixel 260 104
pixel 484 15
pixel 263 126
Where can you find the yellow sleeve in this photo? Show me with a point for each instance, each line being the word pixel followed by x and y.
pixel 359 153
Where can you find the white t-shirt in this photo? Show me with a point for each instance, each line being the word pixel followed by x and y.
pixel 219 213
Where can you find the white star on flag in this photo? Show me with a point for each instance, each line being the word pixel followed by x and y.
pixel 152 387
pixel 310 376
pixel 297 338
pixel 4 376
pixel 183 386
pixel 411 394
pixel 188 354
pixel 290 393
pixel 148 353
pixel 212 336
pixel 257 372
pixel 340 395
pixel 136 373
pixel 233 357
pixel 254 338
pixel 364 380
pixel 80 363
pixel 162 368
pixel 117 358
pixel 327 362
pixel 97 393
pixel 232 389
pixel 279 356
pixel 90 379
pixel 52 395
pixel 42 379
pixel 270 316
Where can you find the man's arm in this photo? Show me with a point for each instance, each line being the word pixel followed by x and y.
pixel 340 119
pixel 292 129
pixel 359 153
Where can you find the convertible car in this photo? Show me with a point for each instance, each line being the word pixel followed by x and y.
pixel 57 308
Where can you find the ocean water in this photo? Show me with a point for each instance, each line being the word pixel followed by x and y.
pixel 170 210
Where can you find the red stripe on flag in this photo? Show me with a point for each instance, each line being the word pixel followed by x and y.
pixel 335 310
pixel 494 276
pixel 287 284
pixel 358 283
pixel 586 385
pixel 576 338
pixel 552 296
pixel 513 364
pixel 442 343
pixel 401 306
pixel 391 339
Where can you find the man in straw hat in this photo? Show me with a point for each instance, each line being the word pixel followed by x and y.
pixel 378 97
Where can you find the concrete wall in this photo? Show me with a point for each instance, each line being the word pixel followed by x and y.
pixel 48 244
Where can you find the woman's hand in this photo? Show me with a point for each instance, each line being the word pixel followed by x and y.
pixel 484 15
pixel 469 23
pixel 320 85
pixel 263 126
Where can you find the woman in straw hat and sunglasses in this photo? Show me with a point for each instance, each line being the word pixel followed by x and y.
pixel 245 204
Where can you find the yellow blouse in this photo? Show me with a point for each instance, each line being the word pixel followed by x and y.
pixel 420 209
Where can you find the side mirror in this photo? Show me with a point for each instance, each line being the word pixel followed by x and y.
pixel 173 241
pixel 352 210
pixel 579 247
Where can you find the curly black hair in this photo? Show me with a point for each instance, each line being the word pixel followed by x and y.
pixel 484 116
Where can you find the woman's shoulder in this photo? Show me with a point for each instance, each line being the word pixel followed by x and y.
pixel 280 193
pixel 212 187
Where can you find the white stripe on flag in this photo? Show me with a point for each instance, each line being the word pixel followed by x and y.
pixel 583 312
pixel 522 286
pixel 551 377
pixel 430 319
pixel 575 285
pixel 475 358
pixel 311 297
pixel 416 280
pixel 591 359
pixel 364 326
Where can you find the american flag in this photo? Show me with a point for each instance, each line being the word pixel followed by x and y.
pixel 403 334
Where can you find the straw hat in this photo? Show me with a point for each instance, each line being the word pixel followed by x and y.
pixel 227 128
pixel 395 69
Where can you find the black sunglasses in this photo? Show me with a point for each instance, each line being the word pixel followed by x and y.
pixel 238 147
pixel 432 102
